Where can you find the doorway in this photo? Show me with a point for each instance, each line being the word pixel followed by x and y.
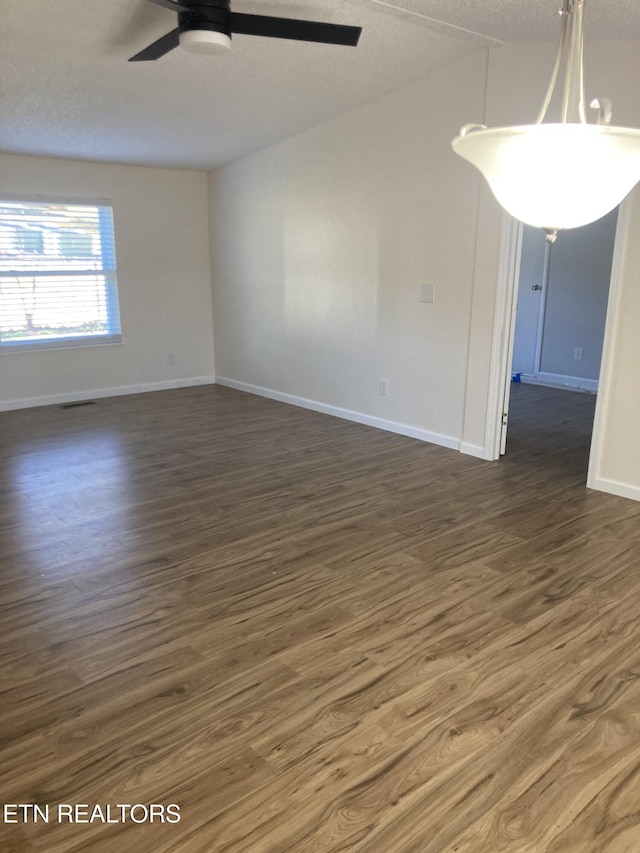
pixel 555 338
pixel 561 309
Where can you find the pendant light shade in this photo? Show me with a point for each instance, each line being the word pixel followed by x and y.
pixel 555 176
pixel 558 175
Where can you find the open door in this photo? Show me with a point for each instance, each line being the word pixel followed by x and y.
pixel 531 302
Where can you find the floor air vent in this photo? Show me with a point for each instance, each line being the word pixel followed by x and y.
pixel 79 403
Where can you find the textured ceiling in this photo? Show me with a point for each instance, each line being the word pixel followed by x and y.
pixel 66 88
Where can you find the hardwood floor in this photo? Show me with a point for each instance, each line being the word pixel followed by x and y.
pixel 313 636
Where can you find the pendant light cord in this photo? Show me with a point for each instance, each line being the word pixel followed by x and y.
pixel 565 12
pixel 573 108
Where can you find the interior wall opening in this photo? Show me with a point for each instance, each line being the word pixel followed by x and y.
pixel 560 316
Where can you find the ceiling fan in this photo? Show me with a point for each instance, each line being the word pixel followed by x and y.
pixel 205 26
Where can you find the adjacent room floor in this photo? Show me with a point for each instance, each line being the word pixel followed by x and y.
pixel 314 636
pixel 550 429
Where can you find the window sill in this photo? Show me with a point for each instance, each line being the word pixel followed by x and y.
pixel 71 343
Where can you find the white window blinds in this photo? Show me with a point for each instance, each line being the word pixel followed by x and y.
pixel 58 283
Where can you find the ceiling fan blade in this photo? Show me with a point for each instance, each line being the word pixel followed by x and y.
pixel 159 48
pixel 169 4
pixel 292 28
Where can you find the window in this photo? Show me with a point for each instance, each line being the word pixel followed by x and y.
pixel 58 284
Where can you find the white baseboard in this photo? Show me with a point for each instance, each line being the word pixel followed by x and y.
pixel 474 450
pixel 346 414
pixel 614 487
pixel 558 380
pixel 93 393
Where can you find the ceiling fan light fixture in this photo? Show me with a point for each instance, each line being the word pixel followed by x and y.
pixel 204 41
pixel 205 27
pixel 558 175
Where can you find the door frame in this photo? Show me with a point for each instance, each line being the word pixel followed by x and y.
pixel 504 332
pixel 610 334
pixel 503 336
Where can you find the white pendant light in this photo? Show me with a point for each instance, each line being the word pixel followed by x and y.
pixel 561 175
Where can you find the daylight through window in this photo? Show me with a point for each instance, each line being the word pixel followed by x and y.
pixel 58 284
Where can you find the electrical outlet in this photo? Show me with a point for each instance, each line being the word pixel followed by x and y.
pixel 171 359
pixel 383 387
pixel 577 353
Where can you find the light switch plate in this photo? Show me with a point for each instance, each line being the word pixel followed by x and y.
pixel 427 293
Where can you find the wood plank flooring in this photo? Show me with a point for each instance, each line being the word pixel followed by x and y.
pixel 314 636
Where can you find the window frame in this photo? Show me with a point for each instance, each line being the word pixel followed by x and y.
pixel 106 271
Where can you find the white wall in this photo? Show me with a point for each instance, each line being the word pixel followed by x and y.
pixel 320 245
pixel 162 234
pixel 615 462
